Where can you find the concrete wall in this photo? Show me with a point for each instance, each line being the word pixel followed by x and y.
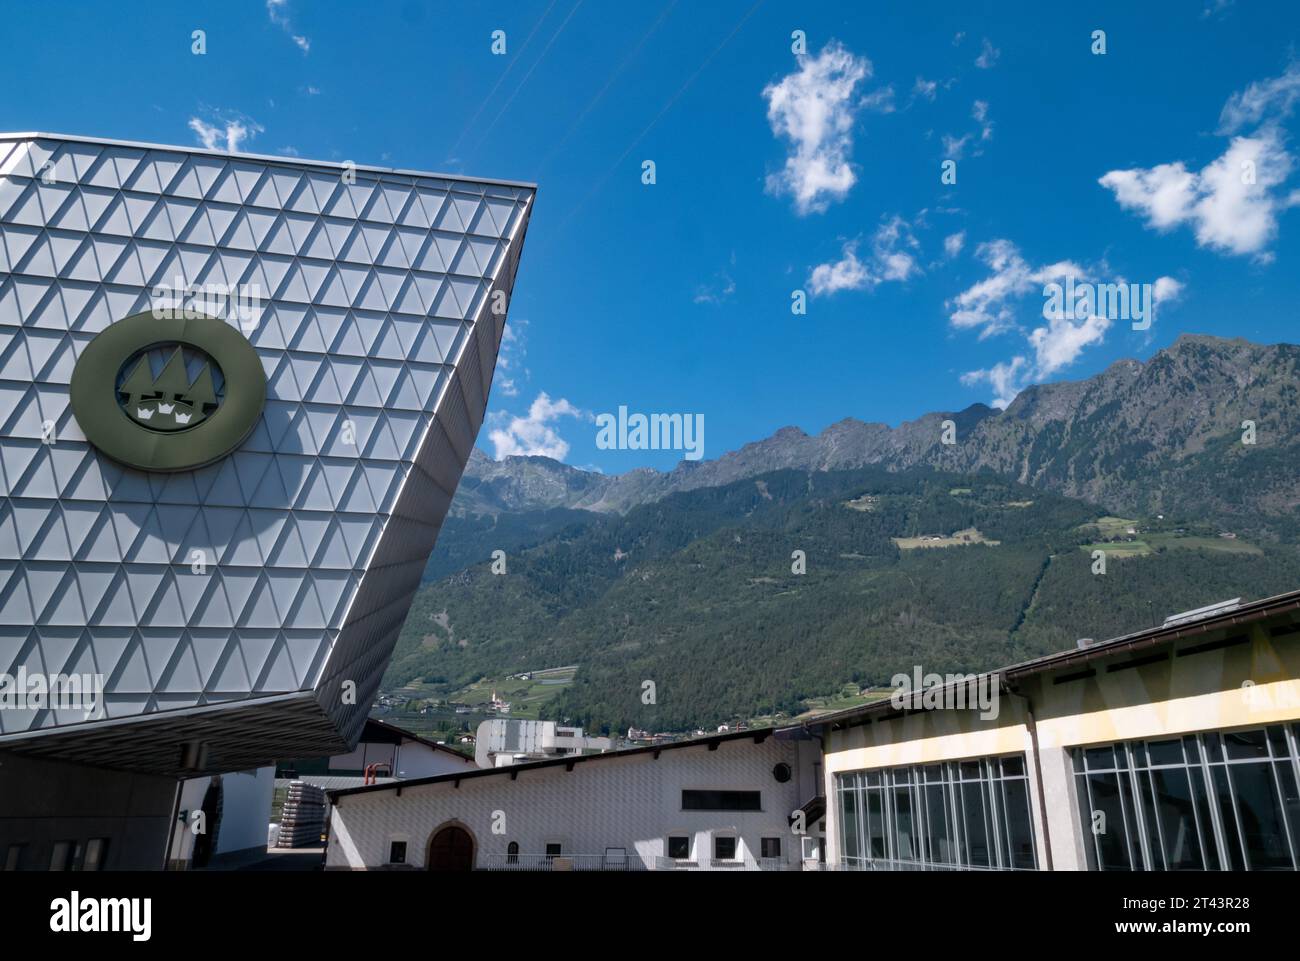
pixel 633 802
pixel 43 802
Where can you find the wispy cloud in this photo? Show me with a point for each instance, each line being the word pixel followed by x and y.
pixel 980 114
pixel 278 11
pixel 988 55
pixel 1264 100
pixel 955 147
pixel 228 131
pixel 989 307
pixel 510 360
pixel 719 289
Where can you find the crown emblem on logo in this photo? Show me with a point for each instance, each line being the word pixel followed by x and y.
pixel 169 401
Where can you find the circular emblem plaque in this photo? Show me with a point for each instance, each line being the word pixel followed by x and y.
pixel 168 392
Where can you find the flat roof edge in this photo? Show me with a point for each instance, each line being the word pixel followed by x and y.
pixel 271 158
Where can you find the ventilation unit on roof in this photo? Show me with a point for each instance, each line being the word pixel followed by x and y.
pixel 1201 613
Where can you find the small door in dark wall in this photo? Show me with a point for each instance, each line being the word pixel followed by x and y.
pixel 452 849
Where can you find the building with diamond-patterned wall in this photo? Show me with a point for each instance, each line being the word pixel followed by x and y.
pixel 379 322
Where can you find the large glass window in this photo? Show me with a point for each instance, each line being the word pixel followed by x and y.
pixel 1204 802
pixel 968 814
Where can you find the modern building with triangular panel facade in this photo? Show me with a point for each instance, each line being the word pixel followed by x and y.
pixel 237 394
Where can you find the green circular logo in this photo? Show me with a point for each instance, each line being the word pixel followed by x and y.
pixel 168 392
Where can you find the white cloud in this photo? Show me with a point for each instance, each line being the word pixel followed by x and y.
pixel 1232 204
pixel 1226 211
pixel 953 243
pixel 278 11
pixel 880 101
pixel 1056 344
pixel 228 133
pixel 813 108
pixel 533 434
pixel 1059 344
pixel 986 305
pixel 891 259
pixel 1275 99
pixel 928 89
pixel 715 293
pixel 848 273
pixel 1006 380
pixel 954 147
pixel 988 55
pixel 980 113
pixel 1167 290
pixel 514 348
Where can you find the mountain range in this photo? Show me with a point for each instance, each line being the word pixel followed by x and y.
pixel 1162 436
pixel 1184 469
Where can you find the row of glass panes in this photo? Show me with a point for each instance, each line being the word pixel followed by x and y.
pixel 972 814
pixel 1212 801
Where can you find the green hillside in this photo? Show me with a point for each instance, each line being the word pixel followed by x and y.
pixel 695 592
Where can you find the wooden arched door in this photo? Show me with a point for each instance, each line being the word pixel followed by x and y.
pixel 452 849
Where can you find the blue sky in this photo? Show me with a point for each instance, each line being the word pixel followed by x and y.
pixel 774 173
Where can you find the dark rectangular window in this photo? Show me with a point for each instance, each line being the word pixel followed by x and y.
pixel 96 851
pixel 397 852
pixel 552 849
pixel 724 849
pixel 770 847
pixel 61 856
pixel 679 847
pixel 722 801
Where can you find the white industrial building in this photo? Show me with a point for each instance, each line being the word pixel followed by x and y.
pixel 747 800
pixel 500 742
pixel 383 753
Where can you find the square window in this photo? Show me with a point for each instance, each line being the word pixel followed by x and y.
pixel 724 849
pixel 771 847
pixel 397 852
pixel 679 847
pixel 552 849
